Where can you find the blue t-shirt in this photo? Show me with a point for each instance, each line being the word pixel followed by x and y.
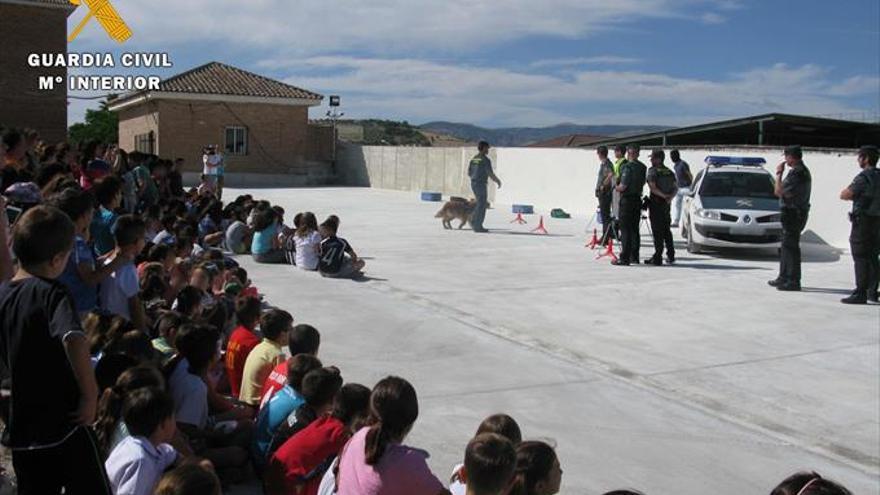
pixel 263 240
pixel 279 407
pixel 85 296
pixel 101 230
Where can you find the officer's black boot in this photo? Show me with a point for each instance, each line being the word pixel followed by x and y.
pixel 855 298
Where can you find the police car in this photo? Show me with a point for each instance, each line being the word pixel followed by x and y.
pixel 731 205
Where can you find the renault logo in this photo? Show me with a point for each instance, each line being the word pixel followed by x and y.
pixel 747 219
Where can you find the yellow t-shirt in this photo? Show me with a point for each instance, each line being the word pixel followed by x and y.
pixel 616 167
pixel 260 362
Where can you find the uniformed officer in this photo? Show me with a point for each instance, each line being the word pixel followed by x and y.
pixel 619 160
pixel 661 181
pixel 480 171
pixel 794 202
pixel 864 238
pixel 604 187
pixel 632 181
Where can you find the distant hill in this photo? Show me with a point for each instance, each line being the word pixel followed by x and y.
pixel 521 136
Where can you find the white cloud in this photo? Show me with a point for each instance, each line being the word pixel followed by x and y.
pixel 419 90
pixel 308 27
pixel 857 85
pixel 713 18
pixel 576 61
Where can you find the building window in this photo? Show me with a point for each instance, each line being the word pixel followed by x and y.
pixel 236 140
pixel 145 143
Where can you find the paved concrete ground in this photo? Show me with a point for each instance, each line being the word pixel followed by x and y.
pixel 683 380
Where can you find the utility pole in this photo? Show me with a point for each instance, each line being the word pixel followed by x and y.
pixel 334 115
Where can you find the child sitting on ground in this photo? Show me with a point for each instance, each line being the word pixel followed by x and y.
pixel 265 246
pixel 489 463
pixel 189 479
pixel 537 470
pixel 275 325
pixel 197 352
pixel 308 242
pixel 207 186
pixel 110 429
pixel 318 389
pixel 81 276
pixel 333 260
pixel 376 460
pixel 499 424
pixel 302 339
pixel 282 404
pixel 809 483
pixel 300 463
pixel 136 464
pixel 242 341
pixel 119 292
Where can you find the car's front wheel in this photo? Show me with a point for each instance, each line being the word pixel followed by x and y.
pixel 692 247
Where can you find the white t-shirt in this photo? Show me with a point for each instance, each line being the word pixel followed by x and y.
pixel 213 164
pixel 190 396
pixel 457 487
pixel 118 288
pixel 307 251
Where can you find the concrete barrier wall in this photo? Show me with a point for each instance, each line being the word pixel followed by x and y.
pixel 407 168
pixel 566 178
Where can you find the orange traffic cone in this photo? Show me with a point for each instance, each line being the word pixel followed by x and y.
pixel 592 243
pixel 609 251
pixel 519 219
pixel 540 228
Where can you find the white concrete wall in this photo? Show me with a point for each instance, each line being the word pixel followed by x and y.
pixel 407 168
pixel 565 178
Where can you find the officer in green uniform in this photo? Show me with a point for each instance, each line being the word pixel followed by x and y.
pixel 794 202
pixel 864 237
pixel 661 181
pixel 632 181
pixel 604 186
pixel 480 171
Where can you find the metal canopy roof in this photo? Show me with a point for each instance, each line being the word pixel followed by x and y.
pixel 772 129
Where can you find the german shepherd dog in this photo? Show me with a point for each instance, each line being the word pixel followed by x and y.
pixel 456 207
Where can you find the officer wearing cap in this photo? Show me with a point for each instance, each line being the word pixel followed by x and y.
pixel 632 181
pixel 794 202
pixel 864 237
pixel 661 181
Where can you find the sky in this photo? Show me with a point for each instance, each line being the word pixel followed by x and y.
pixel 527 63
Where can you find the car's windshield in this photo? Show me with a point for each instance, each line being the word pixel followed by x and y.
pixel 738 184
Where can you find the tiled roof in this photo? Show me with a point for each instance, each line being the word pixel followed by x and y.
pixel 215 78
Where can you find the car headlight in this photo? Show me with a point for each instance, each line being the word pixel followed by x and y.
pixel 710 214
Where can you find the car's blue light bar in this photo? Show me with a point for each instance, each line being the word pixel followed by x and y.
pixel 748 161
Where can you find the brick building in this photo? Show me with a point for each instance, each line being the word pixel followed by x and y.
pixel 33 26
pixel 261 124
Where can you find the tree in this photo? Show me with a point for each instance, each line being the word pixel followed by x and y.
pixel 100 125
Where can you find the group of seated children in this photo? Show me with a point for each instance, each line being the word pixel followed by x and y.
pixel 307 245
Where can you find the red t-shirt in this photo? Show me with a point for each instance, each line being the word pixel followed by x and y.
pixel 276 380
pixel 241 343
pixel 302 460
